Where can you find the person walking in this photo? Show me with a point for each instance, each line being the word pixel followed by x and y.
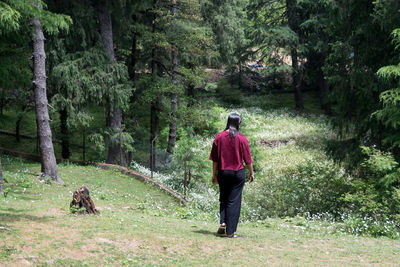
pixel 229 150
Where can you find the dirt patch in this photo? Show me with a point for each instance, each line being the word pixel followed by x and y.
pixel 274 143
pixel 104 240
pixel 52 212
pixel 130 244
pixel 22 262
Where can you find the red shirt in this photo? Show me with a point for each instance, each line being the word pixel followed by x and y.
pixel 230 153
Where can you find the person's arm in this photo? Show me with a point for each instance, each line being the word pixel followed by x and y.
pixel 250 168
pixel 215 170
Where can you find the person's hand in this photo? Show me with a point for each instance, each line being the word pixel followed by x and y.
pixel 251 177
pixel 214 179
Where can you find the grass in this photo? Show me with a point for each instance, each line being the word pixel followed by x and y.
pixel 139 225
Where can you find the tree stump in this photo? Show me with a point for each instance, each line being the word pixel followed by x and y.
pixel 81 199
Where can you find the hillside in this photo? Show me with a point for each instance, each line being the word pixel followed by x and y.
pixel 139 225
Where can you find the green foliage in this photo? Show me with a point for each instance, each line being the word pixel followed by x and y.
pixel 12 10
pixel 350 68
pixel 389 114
pixel 90 76
pixel 313 187
pixel 376 189
pixel 98 140
pixel 9 18
pixel 359 225
pixel 230 94
pixel 117 138
pixel 75 209
pixel 228 21
pixel 156 87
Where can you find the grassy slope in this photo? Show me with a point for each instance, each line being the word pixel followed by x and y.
pixel 139 225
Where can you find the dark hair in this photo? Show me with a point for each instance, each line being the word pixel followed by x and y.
pixel 233 124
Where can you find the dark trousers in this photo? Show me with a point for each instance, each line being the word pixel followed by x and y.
pixel 230 197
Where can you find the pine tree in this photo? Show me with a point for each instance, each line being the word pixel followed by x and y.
pixel 1 179
pixel 389 114
pixel 356 29
pixel 53 23
pixel 174 96
pixel 49 164
pixel 115 115
pixel 275 31
pixel 314 38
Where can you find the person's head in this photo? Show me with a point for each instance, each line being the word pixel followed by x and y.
pixel 233 124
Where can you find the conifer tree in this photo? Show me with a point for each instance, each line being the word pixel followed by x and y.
pixel 115 114
pixel 174 96
pixel 389 114
pixel 355 30
pixel 53 23
pixel 293 22
pixel 275 31
pixel 1 179
pixel 49 164
pixel 314 38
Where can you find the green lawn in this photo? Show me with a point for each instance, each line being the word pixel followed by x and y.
pixel 139 225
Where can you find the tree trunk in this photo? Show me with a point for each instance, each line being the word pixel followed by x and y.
pixel 18 126
pixel 2 96
pixel 18 122
pixel 65 153
pixel 114 146
pixel 174 97
pixel 296 79
pixel 1 180
pixel 323 87
pixel 153 133
pixel 115 119
pixel 153 106
pixel 132 65
pixel 296 82
pixel 84 144
pixel 49 164
pixel 106 29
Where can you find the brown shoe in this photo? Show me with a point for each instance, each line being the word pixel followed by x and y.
pixel 232 236
pixel 221 230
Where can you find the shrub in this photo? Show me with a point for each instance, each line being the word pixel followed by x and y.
pixel 312 187
pixel 376 189
pixel 230 94
pixel 365 225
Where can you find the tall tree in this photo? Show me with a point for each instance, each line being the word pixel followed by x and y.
pixel 1 179
pixel 115 113
pixel 314 38
pixel 389 114
pixel 228 20
pixel 174 97
pixel 293 22
pixel 357 28
pixel 53 23
pixel 275 33
pixel 154 121
pixel 48 159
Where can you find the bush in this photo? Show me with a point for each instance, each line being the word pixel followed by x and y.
pixel 376 189
pixel 364 225
pixel 230 94
pixel 312 187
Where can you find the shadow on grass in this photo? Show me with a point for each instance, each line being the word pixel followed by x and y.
pixel 205 232
pixel 10 215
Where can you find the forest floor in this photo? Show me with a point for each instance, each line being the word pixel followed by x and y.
pixel 140 225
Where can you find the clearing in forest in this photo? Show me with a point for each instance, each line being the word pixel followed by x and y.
pixel 139 225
